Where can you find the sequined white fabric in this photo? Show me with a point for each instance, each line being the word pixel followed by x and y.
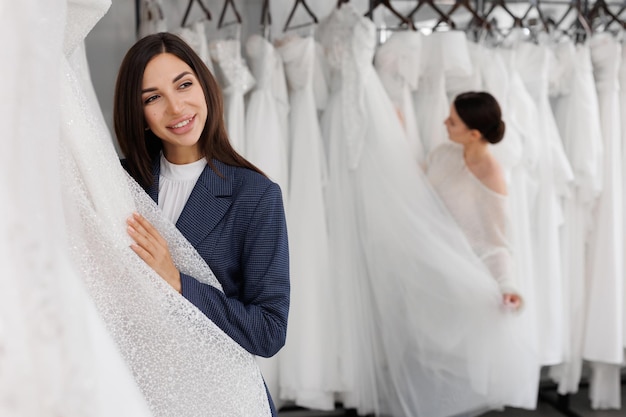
pixel 56 357
pixel 53 343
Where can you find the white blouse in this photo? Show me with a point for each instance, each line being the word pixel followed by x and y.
pixel 175 185
pixel 480 212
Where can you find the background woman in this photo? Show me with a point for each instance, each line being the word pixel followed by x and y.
pixel 471 183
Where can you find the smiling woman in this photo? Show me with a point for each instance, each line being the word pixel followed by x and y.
pixel 169 122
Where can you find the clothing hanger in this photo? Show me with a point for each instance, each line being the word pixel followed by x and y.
pixel 293 10
pixel 601 9
pixel 580 22
pixel 465 4
pixel 432 5
pixel 206 11
pixel 150 5
pixel 266 19
pixel 220 23
pixel 534 4
pixel 517 22
pixel 387 4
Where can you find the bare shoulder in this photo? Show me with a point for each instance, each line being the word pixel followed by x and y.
pixel 490 173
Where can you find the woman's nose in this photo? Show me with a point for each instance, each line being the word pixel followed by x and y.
pixel 175 106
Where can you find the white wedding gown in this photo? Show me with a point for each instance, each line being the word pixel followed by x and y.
pixel 56 356
pixel 236 80
pixel 577 115
pixel 398 63
pixel 308 368
pixel 266 143
pixel 181 363
pixel 603 342
pixel 430 337
pixel 554 175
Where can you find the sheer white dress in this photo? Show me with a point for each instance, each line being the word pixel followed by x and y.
pixel 577 116
pixel 266 144
pixel 429 336
pixel 398 63
pixel 236 80
pixel 554 178
pixel 603 342
pixel 308 371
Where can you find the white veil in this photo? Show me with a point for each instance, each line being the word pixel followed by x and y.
pixel 71 217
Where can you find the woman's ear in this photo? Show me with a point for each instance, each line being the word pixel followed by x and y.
pixel 475 134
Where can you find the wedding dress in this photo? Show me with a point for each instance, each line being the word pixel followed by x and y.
pixel 56 356
pixel 577 116
pixel 431 337
pixel 603 342
pixel 308 360
pixel 181 362
pixel 554 179
pixel 236 80
pixel 444 55
pixel 398 65
pixel 266 144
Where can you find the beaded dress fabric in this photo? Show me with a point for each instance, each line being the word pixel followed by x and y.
pixel 180 362
pixel 56 356
pixel 236 80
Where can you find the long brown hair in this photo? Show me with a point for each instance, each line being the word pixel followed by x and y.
pixel 141 146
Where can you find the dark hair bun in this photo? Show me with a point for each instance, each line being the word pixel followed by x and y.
pixel 495 135
pixel 481 111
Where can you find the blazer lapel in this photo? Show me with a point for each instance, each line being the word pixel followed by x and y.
pixel 208 203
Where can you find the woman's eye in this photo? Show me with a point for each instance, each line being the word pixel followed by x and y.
pixel 186 84
pixel 150 99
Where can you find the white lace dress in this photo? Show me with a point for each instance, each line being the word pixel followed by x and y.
pixel 236 80
pixel 308 374
pixel 398 63
pixel 399 259
pixel 266 144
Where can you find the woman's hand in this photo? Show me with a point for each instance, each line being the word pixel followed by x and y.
pixel 512 301
pixel 152 248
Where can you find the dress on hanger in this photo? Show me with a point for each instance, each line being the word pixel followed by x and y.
pixel 577 115
pixel 444 55
pixel 400 260
pixel 603 343
pixel 308 371
pixel 56 354
pixel 266 145
pixel 236 80
pixel 398 64
pixel 554 179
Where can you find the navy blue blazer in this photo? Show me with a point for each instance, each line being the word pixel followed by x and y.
pixel 237 224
